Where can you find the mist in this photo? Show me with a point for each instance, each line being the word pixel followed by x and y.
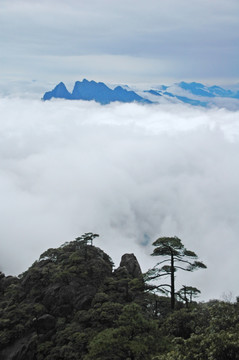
pixel 130 173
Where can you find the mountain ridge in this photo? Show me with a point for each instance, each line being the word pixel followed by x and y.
pixel 192 93
pixel 91 90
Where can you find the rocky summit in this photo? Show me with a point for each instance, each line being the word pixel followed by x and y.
pixel 60 295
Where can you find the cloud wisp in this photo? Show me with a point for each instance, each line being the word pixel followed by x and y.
pixel 129 172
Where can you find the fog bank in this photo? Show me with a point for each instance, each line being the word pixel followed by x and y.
pixel 129 172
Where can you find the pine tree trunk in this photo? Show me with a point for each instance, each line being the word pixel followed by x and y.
pixel 172 283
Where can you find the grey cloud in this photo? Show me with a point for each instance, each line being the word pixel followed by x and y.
pixel 128 172
pixel 199 38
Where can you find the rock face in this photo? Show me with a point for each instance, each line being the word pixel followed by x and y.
pixel 130 262
pixel 22 349
pixel 45 322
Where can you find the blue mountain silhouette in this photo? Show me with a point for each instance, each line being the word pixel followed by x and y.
pixel 60 91
pixel 153 92
pixel 207 91
pixel 187 100
pixel 91 90
pixel 196 89
pixel 194 93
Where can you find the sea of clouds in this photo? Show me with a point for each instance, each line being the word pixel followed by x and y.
pixel 129 172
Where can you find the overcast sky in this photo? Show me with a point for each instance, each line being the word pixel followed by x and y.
pixel 127 41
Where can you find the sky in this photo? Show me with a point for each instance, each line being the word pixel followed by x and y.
pixel 130 172
pixel 132 42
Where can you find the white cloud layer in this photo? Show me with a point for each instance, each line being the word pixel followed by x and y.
pixel 129 172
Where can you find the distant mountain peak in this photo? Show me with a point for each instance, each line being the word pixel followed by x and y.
pixel 196 88
pixel 91 90
pixel 192 93
pixel 191 85
pixel 60 91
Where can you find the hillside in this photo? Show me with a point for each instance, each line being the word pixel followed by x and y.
pixel 72 304
pixel 63 300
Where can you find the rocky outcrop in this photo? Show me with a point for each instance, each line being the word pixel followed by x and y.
pixel 45 323
pixel 21 349
pixel 130 262
pixel 58 293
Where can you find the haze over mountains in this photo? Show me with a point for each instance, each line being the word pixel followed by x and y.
pixel 193 93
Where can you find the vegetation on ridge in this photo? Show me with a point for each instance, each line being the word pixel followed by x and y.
pixel 178 258
pixel 72 305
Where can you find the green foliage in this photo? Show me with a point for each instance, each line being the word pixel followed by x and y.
pixel 71 305
pixel 87 238
pixel 187 293
pixel 220 346
pixel 167 246
pixel 181 323
pixel 132 338
pixel 209 331
pixel 177 258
